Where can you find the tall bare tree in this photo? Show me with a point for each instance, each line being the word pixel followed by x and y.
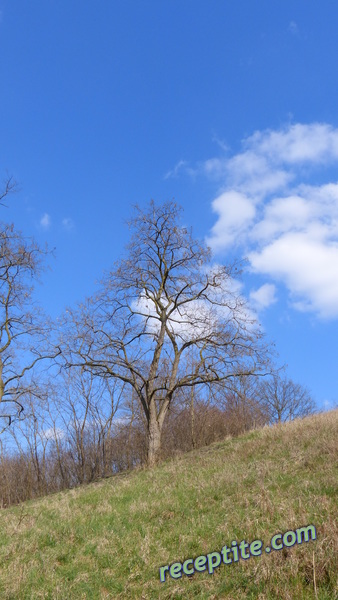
pixel 164 299
pixel 23 330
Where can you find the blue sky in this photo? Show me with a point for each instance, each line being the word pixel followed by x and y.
pixel 228 107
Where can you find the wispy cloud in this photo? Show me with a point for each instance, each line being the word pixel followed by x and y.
pixel 330 404
pixel 271 209
pixel 181 166
pixel 67 224
pixel 293 28
pixel 221 143
pixel 45 221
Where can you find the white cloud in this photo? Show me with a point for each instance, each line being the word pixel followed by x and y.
pixel 236 212
pixel 45 221
pixel 315 143
pixel 200 318
pixel 269 206
pixel 307 265
pixel 264 296
pixel 191 320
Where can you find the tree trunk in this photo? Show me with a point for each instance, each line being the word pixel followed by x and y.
pixel 154 441
pixel 192 414
pixel 155 420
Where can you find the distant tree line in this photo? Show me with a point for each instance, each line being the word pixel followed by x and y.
pixel 72 435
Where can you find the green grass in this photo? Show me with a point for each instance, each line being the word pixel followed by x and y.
pixel 108 540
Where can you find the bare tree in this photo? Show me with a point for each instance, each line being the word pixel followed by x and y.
pixel 160 302
pixel 87 406
pixel 284 399
pixel 23 329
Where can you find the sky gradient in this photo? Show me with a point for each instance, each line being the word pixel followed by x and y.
pixel 228 107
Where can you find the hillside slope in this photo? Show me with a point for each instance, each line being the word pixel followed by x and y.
pixel 109 539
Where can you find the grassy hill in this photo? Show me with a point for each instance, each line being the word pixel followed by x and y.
pixel 109 539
